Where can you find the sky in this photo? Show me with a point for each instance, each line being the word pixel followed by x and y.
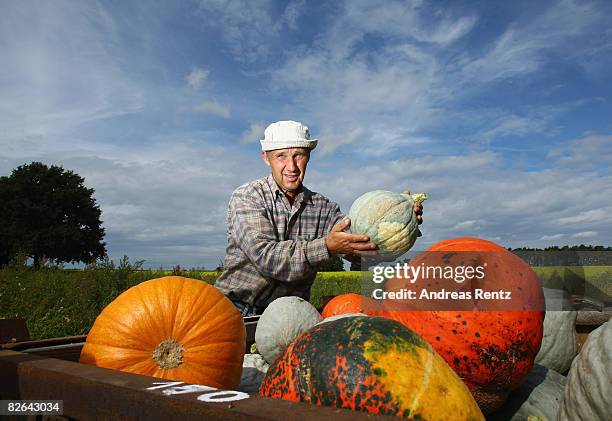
pixel 500 111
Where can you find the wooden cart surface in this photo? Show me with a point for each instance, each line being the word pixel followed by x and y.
pixel 49 369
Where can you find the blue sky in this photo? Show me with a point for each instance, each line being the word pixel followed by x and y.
pixel 500 111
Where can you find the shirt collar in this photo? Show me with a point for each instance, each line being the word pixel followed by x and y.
pixel 305 196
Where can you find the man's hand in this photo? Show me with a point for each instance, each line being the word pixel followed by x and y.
pixel 339 242
pixel 418 210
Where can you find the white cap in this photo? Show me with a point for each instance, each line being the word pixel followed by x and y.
pixel 287 134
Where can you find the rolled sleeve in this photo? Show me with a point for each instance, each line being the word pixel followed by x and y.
pixel 334 217
pixel 316 251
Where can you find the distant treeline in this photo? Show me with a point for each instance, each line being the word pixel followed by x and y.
pixel 566 256
pixel 581 247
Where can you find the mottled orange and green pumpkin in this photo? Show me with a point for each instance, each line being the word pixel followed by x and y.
pixel 174 328
pixel 370 364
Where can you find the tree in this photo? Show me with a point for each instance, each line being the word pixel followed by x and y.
pixel 355 265
pixel 47 213
pixel 334 264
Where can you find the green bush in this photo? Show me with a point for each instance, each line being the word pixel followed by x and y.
pixel 62 302
pixel 334 283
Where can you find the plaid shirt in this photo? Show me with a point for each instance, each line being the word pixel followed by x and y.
pixel 274 249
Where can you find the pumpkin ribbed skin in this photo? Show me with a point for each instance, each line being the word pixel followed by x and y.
pixel 539 396
pixel 559 343
pixel 174 328
pixel 347 303
pixel 388 219
pixel 492 351
pixel 588 391
pixel 369 364
pixel 281 322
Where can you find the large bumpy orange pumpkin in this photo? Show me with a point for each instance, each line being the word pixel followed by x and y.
pixel 174 328
pixel 492 349
pixel 347 303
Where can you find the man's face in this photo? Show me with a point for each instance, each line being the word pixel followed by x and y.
pixel 288 167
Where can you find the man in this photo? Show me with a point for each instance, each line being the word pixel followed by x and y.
pixel 279 232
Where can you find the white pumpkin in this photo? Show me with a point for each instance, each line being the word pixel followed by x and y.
pixel 588 392
pixel 281 322
pixel 559 342
pixel 539 396
pixel 254 369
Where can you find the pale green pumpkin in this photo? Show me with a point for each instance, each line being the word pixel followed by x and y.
pixel 388 219
pixel 538 398
pixel 559 341
pixel 282 321
pixel 588 391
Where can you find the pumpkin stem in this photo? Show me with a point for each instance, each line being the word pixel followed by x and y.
pixel 419 197
pixel 168 354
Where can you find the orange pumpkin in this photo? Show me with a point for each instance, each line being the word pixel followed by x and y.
pixel 347 303
pixel 494 349
pixel 173 328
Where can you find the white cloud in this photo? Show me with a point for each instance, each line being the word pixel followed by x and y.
pixel 474 195
pixel 416 20
pixel 213 107
pixel 524 47
pixel 196 77
pixel 543 120
pixel 253 134
pixel 452 30
pixel 330 142
pixel 552 237
pixel 464 225
pixel 585 234
pixel 386 142
pixel 375 82
pixel 166 202
pixel 586 153
pixel 507 124
pixel 362 95
pixel 292 13
pixel 591 215
pixel 250 28
pixel 363 92
pixel 60 69
pixel 416 78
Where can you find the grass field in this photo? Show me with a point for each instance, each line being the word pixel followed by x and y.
pixel 590 281
pixel 58 302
